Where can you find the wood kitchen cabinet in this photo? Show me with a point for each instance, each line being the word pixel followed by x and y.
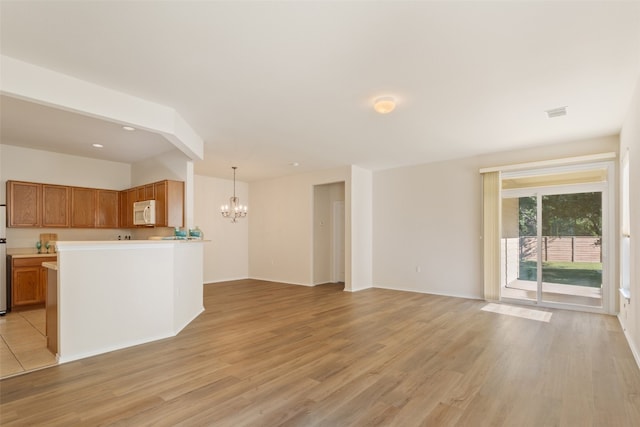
pixel 124 209
pixel 169 203
pixel 83 207
pixel 28 281
pixel 24 200
pixel 149 192
pixel 55 206
pixel 127 199
pixel 140 194
pixel 32 204
pixel 132 197
pixel 169 197
pixel 108 208
pixel 144 192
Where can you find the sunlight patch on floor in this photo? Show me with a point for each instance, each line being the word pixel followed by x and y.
pixel 525 313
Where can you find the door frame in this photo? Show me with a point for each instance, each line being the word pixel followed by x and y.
pixel 338 241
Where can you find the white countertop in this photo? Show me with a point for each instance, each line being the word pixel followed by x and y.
pixel 68 245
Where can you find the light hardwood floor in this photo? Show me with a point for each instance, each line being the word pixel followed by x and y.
pixel 268 354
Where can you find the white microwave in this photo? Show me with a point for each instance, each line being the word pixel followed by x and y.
pixel 144 213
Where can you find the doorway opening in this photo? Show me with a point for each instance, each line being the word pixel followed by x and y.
pixel 329 233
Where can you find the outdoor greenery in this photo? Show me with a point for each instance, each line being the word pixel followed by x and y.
pixel 563 215
pixel 567 273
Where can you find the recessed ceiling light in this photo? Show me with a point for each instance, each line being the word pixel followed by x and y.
pixel 556 112
pixel 97 145
pixel 294 164
pixel 129 128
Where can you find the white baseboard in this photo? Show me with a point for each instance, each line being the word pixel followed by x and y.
pixel 419 291
pixel 210 282
pixel 281 281
pixel 356 290
pixel 634 350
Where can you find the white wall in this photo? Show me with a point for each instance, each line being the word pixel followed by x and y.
pixel 359 230
pixel 281 226
pixel 169 165
pixel 24 164
pixel 630 139
pixel 428 217
pixel 226 256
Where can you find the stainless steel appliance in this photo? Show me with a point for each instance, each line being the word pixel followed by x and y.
pixel 3 260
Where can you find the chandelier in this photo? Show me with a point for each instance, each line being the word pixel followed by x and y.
pixel 234 209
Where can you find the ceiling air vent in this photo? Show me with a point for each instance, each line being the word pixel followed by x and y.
pixel 556 112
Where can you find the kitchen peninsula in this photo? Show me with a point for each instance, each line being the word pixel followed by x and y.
pixel 117 294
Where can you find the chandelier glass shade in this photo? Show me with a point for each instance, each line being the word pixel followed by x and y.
pixel 234 209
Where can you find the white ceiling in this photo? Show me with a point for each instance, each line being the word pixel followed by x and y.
pixel 266 84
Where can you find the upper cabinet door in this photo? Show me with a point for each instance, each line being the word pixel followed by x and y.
pixel 108 209
pixel 55 206
pixel 83 207
pixel 124 212
pixel 169 196
pixel 175 204
pixel 24 204
pixel 132 197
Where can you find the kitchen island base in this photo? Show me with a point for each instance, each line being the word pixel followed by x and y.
pixel 118 294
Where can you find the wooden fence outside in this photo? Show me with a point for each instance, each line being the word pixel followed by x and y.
pixel 562 248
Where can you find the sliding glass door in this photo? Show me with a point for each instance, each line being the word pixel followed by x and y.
pixel 519 259
pixel 571 248
pixel 552 240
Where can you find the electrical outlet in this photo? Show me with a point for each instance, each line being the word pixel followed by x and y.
pixel 418 269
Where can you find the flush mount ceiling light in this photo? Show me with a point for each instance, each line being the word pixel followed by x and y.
pixel 129 128
pixel 234 209
pixel 384 104
pixel 97 145
pixel 556 112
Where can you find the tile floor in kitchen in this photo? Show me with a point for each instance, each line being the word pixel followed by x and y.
pixel 23 344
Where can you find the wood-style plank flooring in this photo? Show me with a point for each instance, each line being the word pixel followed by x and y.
pixel 269 354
